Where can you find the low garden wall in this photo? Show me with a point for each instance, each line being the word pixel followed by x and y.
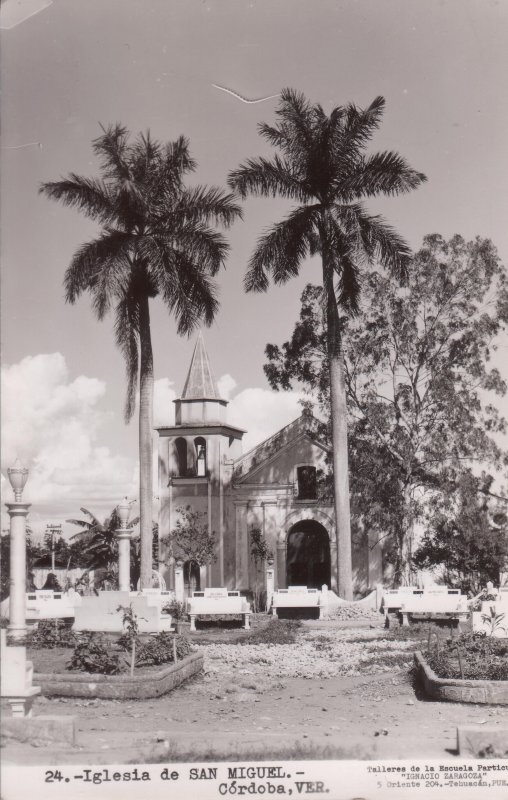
pixel 458 690
pixel 121 687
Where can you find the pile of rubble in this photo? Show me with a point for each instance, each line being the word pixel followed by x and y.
pixel 351 611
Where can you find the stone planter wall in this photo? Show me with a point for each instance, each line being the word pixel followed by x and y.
pixel 460 691
pixel 121 687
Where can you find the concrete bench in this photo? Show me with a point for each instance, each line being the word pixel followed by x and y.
pixel 435 603
pixel 47 604
pixel 392 599
pixel 218 602
pixel 16 678
pixel 297 597
pixel 100 613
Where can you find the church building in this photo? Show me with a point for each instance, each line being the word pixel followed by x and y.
pixel 271 489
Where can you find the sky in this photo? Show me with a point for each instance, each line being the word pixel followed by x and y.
pixel 440 64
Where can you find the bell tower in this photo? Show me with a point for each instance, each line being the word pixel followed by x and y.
pixel 200 401
pixel 195 458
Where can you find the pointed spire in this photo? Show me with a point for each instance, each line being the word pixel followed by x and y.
pixel 200 383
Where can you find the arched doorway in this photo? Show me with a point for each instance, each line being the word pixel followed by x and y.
pixel 308 555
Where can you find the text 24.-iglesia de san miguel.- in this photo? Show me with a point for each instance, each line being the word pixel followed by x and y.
pixel 272 488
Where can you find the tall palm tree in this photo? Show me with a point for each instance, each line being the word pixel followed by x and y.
pixel 155 239
pixel 323 167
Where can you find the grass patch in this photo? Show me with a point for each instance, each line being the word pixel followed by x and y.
pixel 392 659
pixel 278 631
pixel 297 751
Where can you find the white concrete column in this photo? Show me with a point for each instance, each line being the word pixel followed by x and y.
pixel 18 513
pixel 179 583
pixel 333 565
pixel 270 583
pixel 281 565
pixel 242 546
pixel 124 558
pixel 123 535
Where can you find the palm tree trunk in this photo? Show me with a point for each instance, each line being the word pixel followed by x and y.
pixel 338 409
pixel 145 443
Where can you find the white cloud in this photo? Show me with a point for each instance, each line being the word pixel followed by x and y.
pixel 58 429
pixel 226 385
pixel 52 424
pixel 262 412
pixel 163 406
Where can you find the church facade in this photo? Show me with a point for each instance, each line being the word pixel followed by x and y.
pixel 270 491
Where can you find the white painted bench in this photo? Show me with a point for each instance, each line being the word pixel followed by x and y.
pixel 436 603
pixel 298 597
pixel 48 604
pixel 99 613
pixel 155 597
pixel 392 599
pixel 218 602
pixel 16 678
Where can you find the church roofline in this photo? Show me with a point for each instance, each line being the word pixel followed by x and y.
pixel 201 400
pixel 263 452
pixel 200 382
pixel 192 427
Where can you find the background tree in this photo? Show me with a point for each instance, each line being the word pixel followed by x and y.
pixel 260 553
pixel 323 166
pixel 418 377
pixel 190 539
pixel 467 542
pixel 98 544
pixel 33 552
pixel 155 239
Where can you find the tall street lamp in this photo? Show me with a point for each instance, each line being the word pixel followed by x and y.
pixel 18 512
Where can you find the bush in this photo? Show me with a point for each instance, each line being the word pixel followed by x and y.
pixel 51 633
pixel 481 658
pixel 159 650
pixel 94 654
pixel 278 631
pixel 175 609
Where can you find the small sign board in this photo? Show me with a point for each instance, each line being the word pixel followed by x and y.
pixel 216 592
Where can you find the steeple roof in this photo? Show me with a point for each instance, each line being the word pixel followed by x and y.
pixel 200 383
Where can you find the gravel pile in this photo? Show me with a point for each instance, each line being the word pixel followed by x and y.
pixel 354 612
pixel 313 656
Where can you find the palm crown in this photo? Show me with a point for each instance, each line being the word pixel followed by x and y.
pixel 323 166
pixel 156 237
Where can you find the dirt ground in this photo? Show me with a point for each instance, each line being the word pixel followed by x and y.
pixel 246 704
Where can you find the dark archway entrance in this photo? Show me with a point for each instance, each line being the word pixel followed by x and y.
pixel 308 555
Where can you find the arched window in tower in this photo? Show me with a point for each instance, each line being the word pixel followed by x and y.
pixel 200 445
pixel 180 449
pixel 307 483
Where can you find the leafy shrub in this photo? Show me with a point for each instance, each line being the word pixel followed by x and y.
pixel 481 658
pixel 175 609
pixel 94 654
pixel 278 631
pixel 159 649
pixel 51 633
